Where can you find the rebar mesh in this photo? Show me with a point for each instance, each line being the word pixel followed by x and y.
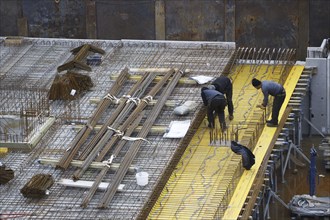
pixel 34 63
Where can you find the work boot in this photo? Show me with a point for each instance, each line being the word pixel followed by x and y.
pixel 272 124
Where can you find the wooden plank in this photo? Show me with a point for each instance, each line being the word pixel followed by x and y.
pixel 87 184
pixel 160 19
pixel 78 163
pixel 183 80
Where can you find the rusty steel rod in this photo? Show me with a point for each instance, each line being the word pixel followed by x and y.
pixel 120 113
pixel 84 133
pixel 107 166
pixel 123 127
pixel 130 155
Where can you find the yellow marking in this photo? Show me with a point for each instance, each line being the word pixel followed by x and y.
pixel 3 150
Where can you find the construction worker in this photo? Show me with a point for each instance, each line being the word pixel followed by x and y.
pixel 216 103
pixel 274 89
pixel 224 85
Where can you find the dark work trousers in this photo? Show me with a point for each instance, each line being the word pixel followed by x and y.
pixel 224 85
pixel 229 96
pixel 277 104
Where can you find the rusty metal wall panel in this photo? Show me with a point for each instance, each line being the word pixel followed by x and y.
pixel 46 18
pixel 131 19
pixel 254 23
pixel 90 19
pixel 195 20
pixel 271 24
pixel 319 27
pixel 8 17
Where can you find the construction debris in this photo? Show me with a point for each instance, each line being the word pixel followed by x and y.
pixel 306 205
pixel 185 108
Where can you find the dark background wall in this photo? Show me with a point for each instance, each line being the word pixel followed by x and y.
pixel 249 23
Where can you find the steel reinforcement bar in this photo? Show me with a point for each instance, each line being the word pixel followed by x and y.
pixel 121 112
pixel 134 148
pixel 84 133
pixel 123 127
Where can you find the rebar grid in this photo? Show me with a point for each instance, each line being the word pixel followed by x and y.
pixel 64 203
pixel 23 111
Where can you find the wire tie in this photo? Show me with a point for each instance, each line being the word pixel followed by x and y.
pixel 136 100
pixel 108 162
pixel 147 99
pixel 112 98
pixel 127 138
pixel 118 132
pixel 127 96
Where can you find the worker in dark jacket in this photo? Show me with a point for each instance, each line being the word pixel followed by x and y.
pixel 223 84
pixel 274 89
pixel 216 103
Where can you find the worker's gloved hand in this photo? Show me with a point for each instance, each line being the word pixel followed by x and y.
pixel 261 106
pixel 231 117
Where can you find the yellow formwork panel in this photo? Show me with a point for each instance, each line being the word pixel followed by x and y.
pixel 260 150
pixel 191 186
pixel 202 178
pixel 3 150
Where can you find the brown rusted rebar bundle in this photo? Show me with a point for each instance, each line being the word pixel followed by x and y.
pixel 120 114
pixel 108 163
pixel 80 53
pixel 121 111
pixel 134 148
pixel 123 127
pixel 64 84
pixel 110 144
pixel 85 131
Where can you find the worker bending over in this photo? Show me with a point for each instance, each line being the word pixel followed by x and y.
pixel 216 103
pixel 274 89
pixel 224 85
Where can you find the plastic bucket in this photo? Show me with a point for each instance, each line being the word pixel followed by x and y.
pixel 142 178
